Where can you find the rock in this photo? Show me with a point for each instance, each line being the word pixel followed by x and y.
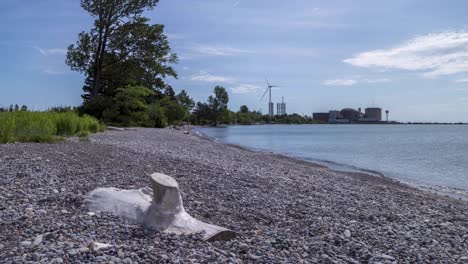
pixel 347 233
pixel 37 241
pixel 25 243
pixel 57 261
pixel 384 256
pixel 83 250
pixel 36 257
pixel 101 258
pixel 41 211
pixel 243 247
pixel 95 246
pixel 72 252
pixel 121 254
pixel 254 257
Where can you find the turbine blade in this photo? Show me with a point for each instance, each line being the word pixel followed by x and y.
pixel 264 94
pixel 267 82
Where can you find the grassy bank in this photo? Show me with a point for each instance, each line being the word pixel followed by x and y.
pixel 22 126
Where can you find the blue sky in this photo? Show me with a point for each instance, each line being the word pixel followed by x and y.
pixel 408 56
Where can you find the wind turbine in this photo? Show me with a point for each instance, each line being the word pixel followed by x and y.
pixel 270 103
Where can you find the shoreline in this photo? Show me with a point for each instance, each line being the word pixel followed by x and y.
pixel 285 210
pixel 442 191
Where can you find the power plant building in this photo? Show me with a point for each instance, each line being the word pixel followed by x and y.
pixel 373 114
pixel 350 115
pixel 271 109
pixel 281 108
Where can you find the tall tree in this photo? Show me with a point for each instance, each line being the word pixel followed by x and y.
pixel 184 99
pixel 121 49
pixel 244 109
pixel 219 104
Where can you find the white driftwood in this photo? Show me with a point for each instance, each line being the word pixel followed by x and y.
pixel 162 208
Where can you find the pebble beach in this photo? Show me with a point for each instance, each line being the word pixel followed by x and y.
pixel 284 210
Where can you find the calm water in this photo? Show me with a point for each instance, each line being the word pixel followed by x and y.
pixel 423 155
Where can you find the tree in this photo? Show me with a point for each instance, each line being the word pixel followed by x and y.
pixel 121 49
pixel 202 114
pixel 184 99
pixel 174 112
pixel 244 109
pixel 218 104
pixel 130 107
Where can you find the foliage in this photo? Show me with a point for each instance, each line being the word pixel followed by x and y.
pixel 173 110
pixel 121 49
pixel 184 100
pixel 244 109
pixel 157 116
pixel 130 107
pixel 23 126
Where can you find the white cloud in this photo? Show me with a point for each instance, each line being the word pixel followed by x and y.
pixel 463 99
pixel 350 82
pixel 47 52
pixel 206 77
pixel 218 50
pixel 340 82
pixel 433 54
pixel 462 80
pixel 245 88
pixel 381 80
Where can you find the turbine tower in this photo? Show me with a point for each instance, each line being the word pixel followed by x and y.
pixel 270 103
pixel 386 112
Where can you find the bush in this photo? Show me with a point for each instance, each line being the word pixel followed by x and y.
pixel 157 115
pixel 25 126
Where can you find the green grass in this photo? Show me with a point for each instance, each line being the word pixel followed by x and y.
pixel 25 126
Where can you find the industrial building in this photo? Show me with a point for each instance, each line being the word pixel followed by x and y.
pixel 281 108
pixel 322 117
pixel 350 115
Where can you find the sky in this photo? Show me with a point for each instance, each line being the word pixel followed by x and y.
pixel 406 56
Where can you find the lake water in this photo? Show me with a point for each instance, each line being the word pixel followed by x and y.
pixel 427 156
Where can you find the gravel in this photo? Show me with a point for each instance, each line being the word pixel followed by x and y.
pixel 285 210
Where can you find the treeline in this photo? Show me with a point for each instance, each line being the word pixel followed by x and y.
pixel 13 108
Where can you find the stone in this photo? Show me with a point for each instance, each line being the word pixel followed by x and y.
pixel 385 256
pixel 121 254
pixel 160 207
pixel 25 243
pixel 347 233
pixel 37 241
pixel 95 246
pixel 83 250
pixel 243 247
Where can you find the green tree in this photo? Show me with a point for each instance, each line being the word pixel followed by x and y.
pixel 121 49
pixel 244 109
pixel 130 107
pixel 184 99
pixel 174 112
pixel 219 104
